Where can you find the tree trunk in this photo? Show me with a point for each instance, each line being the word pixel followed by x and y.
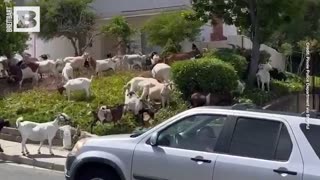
pixel 255 42
pixel 74 45
pixel 254 61
pixel 82 42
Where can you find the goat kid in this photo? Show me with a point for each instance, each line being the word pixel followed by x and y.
pixel 76 84
pixel 39 131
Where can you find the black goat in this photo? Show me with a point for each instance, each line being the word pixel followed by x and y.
pixel 275 74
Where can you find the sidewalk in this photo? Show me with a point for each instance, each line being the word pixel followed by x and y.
pixel 12 152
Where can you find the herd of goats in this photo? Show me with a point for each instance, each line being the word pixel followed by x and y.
pixel 155 84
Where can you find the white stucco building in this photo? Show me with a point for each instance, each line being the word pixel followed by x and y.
pixel 136 12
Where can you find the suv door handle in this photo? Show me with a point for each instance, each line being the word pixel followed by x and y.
pixel 285 171
pixel 200 159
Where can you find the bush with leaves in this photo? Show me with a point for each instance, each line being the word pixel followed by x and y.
pixel 205 75
pixel 120 28
pixel 282 88
pixel 239 62
pixel 170 48
pixel 174 26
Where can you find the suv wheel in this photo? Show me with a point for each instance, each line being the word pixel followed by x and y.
pixel 98 173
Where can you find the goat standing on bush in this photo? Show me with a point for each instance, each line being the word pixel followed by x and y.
pixel 39 131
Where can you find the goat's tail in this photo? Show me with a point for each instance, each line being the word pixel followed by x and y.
pixel 19 121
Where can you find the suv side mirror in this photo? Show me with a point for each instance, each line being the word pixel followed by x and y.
pixel 154 139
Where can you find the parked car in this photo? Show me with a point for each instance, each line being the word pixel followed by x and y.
pixel 205 143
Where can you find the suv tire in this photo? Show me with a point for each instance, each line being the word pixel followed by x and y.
pixel 98 173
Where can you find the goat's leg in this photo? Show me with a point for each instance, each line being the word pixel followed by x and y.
pixel 23 143
pixel 163 101
pixel 88 93
pixel 262 86
pixel 50 146
pixel 41 143
pixel 268 86
pixel 20 83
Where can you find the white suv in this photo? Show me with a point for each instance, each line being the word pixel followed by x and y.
pixel 206 143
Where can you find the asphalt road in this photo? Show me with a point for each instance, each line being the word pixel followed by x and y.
pixel 10 171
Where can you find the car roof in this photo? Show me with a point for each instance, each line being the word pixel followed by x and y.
pixel 261 112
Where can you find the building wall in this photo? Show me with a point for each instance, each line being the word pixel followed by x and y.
pixel 57 48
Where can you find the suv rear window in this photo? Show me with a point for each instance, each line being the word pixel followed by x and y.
pixel 312 135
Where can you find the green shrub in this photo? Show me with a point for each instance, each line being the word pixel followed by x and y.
pixel 42 105
pixel 286 87
pixel 257 96
pixel 239 62
pixel 293 77
pixel 206 75
pixel 170 48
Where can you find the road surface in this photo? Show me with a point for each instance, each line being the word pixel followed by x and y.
pixel 10 171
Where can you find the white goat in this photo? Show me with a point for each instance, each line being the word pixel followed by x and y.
pixel 161 72
pixel 47 67
pixel 39 131
pixel 76 84
pixel 134 59
pixel 67 72
pixel 60 65
pixel 137 83
pixel 132 103
pixel 27 73
pixel 159 92
pixel 78 61
pixel 263 76
pixel 105 64
pixel 155 59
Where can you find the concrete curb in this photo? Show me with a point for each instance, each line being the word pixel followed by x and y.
pixel 31 162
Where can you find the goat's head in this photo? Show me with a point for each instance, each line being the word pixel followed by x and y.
pixel 61 89
pixel 44 56
pixel 63 117
pixel 85 55
pixel 104 113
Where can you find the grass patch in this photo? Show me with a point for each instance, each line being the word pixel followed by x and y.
pixel 42 106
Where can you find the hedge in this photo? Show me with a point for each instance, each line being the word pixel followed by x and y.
pixel 239 62
pixel 204 75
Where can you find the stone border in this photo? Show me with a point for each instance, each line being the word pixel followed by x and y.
pixel 32 162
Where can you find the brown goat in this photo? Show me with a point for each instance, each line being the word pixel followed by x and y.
pixel 113 114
